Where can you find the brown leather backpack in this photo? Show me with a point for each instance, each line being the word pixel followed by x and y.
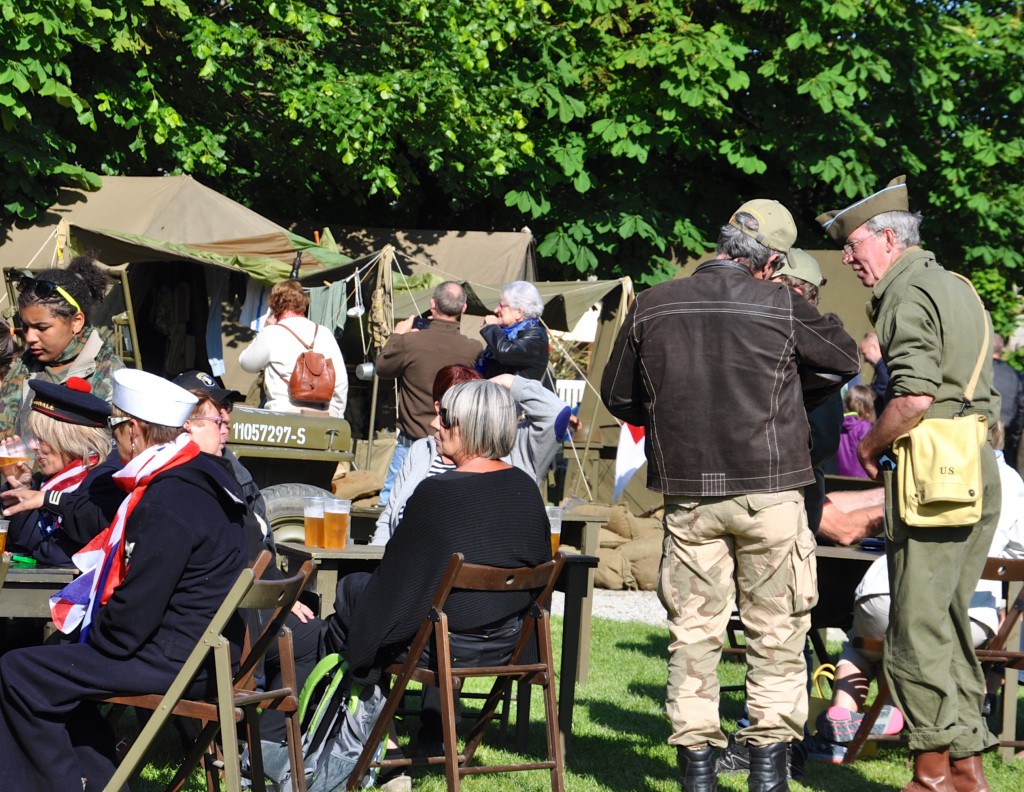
pixel 313 376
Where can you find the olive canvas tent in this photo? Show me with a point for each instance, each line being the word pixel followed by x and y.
pixel 478 256
pixel 203 244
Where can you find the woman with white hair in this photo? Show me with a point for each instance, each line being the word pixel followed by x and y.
pixel 157 575
pixel 485 508
pixel 516 341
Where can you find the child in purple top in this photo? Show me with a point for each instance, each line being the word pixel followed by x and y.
pixel 857 422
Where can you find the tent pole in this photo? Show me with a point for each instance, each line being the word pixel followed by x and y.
pixel 384 281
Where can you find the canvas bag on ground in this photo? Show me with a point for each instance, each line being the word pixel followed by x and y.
pixel 313 375
pixel 938 462
pixel 336 716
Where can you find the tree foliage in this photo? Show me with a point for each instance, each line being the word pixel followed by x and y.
pixel 623 132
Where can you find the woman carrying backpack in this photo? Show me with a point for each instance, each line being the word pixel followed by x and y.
pixel 292 351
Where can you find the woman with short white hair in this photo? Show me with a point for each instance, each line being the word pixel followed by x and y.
pixel 485 509
pixel 516 341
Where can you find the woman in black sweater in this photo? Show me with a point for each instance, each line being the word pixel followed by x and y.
pixel 485 509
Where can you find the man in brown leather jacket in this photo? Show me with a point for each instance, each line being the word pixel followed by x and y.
pixel 718 367
pixel 416 351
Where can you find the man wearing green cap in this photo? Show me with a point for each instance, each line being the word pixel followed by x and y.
pixel 932 329
pixel 717 368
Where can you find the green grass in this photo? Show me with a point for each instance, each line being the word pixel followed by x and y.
pixel 619 734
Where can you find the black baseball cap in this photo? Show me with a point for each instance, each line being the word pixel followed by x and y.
pixel 200 380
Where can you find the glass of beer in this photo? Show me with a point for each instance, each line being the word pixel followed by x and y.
pixel 336 521
pixel 555 520
pixel 4 525
pixel 12 452
pixel 313 521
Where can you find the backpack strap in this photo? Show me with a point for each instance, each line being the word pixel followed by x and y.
pixel 309 346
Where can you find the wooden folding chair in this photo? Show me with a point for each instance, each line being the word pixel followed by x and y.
pixel 1003 649
pixel 994 652
pixel 236 697
pixel 536 629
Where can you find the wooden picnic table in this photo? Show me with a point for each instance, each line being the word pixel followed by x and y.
pixel 578 530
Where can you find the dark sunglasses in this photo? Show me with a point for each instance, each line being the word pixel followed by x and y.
pixel 44 290
pixel 446 421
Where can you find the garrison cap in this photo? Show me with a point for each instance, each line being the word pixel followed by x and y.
pixel 840 223
pixel 802 266
pixel 775 226
pixel 71 402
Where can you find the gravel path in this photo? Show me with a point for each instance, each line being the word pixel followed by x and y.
pixel 641 606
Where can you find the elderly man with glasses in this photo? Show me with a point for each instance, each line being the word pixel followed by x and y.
pixel 932 330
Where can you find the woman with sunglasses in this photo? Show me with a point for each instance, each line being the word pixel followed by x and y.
pixel 54 307
pixel 57 511
pixel 486 509
pixel 540 430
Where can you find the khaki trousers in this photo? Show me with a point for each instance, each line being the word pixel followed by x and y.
pixel 758 551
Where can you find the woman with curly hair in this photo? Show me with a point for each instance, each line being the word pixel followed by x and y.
pixel 54 307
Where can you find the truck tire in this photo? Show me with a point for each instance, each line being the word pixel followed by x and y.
pixel 284 509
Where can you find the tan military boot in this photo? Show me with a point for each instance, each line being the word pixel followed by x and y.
pixel 931 772
pixel 968 774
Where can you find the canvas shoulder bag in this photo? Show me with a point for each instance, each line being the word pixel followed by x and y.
pixel 938 462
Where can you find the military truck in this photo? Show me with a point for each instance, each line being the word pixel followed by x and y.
pixel 155 315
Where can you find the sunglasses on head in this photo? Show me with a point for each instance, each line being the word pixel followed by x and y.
pixel 44 290
pixel 445 418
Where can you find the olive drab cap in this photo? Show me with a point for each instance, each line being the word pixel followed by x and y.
pixel 840 223
pixel 802 266
pixel 775 226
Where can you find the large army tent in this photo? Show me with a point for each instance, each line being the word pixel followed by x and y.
pixel 171 218
pixel 478 256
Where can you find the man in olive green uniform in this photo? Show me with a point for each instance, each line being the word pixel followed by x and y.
pixel 932 329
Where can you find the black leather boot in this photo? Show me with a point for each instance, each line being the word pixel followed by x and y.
pixel 697 769
pixel 768 768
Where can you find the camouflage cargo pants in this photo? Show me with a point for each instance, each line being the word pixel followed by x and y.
pixel 758 551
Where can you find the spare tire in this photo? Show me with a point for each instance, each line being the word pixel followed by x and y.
pixel 284 509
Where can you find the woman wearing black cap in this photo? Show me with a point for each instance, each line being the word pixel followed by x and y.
pixel 54 307
pixel 73 497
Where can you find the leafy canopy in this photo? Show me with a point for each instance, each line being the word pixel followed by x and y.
pixel 622 132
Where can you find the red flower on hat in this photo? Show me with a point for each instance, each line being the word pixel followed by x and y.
pixel 78 384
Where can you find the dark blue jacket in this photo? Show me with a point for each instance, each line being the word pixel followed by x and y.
pixel 84 512
pixel 186 546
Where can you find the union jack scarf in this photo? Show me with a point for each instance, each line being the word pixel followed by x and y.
pixel 67 480
pixel 102 561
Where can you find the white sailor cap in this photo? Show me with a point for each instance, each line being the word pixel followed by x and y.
pixel 151 398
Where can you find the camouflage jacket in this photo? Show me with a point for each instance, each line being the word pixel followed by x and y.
pixel 94 361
